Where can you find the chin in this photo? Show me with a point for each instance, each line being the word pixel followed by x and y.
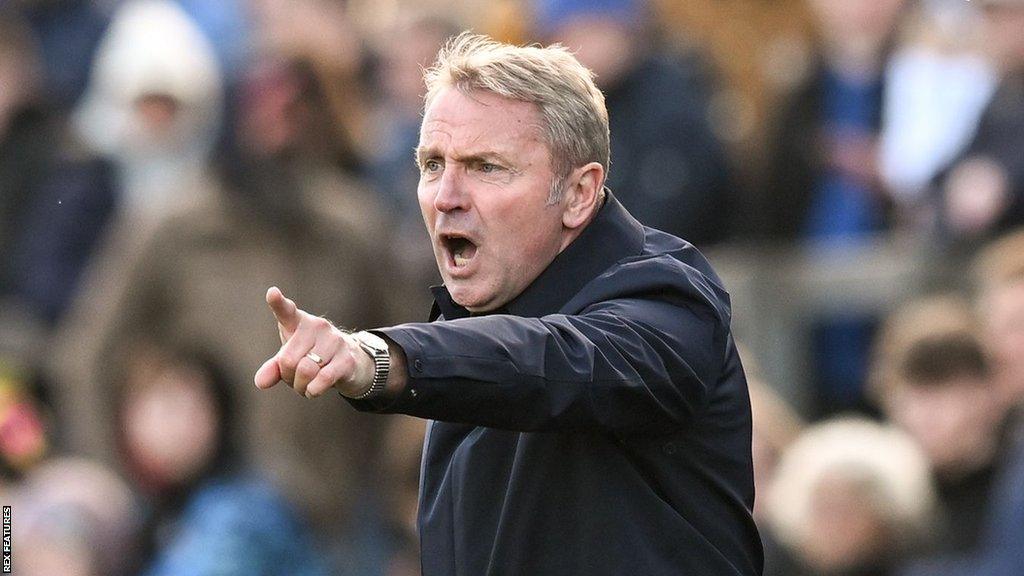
pixel 469 297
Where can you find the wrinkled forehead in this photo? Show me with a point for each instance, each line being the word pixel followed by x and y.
pixel 478 113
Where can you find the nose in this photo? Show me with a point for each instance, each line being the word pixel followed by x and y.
pixel 451 194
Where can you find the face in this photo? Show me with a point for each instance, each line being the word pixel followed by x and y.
pixel 846 529
pixel 485 178
pixel 171 426
pixel 954 422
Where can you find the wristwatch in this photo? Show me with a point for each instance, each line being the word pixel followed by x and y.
pixel 377 348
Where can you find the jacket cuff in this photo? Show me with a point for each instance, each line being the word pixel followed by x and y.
pixel 415 386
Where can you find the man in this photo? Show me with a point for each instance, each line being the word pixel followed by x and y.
pixel 589 411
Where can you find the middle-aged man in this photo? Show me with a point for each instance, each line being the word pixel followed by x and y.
pixel 589 413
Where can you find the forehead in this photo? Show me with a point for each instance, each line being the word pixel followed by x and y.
pixel 479 121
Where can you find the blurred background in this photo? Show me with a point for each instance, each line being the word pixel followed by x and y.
pixel 853 168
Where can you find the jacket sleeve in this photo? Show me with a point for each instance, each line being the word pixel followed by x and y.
pixel 625 366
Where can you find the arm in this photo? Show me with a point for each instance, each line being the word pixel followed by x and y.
pixel 627 365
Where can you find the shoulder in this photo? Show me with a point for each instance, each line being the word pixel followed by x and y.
pixel 668 270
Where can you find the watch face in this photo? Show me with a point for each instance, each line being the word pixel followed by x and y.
pixel 376 344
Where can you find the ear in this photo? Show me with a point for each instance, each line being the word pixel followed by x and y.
pixel 581 194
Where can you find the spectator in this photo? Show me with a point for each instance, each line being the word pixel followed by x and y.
pixel 939 387
pixel 999 274
pixel 73 517
pixel 154 104
pixel 824 189
pixel 938 83
pixel 42 175
pixel 850 497
pixel 982 194
pixel 823 181
pixel 152 110
pixel 207 512
pixel 669 169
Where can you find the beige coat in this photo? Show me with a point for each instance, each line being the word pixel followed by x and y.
pixel 200 278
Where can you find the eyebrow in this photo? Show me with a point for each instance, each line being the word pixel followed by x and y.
pixel 428 152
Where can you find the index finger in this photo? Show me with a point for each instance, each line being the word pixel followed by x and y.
pixel 285 311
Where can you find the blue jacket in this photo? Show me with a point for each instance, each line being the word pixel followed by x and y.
pixel 598 424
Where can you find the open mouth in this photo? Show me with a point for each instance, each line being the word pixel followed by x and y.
pixel 460 249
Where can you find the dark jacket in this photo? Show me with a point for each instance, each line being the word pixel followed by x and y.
pixel 597 424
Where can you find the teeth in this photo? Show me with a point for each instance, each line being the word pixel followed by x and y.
pixel 460 260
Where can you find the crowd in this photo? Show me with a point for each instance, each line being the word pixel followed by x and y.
pixel 162 162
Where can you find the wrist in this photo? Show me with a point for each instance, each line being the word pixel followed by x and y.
pixel 372 367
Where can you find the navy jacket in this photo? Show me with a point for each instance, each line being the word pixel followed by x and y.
pixel 599 424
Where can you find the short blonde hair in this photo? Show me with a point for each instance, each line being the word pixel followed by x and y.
pixel 572 109
pixel 927 318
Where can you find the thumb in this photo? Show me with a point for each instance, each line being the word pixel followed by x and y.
pixel 285 311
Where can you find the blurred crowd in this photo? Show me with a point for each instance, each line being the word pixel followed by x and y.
pixel 163 162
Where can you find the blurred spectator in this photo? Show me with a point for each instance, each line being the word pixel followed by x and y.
pixel 73 517
pixel 24 133
pixel 999 278
pixel 207 512
pixel 937 84
pixel 668 167
pixel 850 497
pixel 982 194
pixel 153 111
pixel 317 42
pixel 824 187
pixel 823 180
pixel 42 175
pixel 999 272
pixel 938 386
pixel 278 211
pixel 154 104
pixel 69 32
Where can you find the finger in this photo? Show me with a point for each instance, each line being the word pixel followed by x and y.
pixel 268 374
pixel 326 346
pixel 339 369
pixel 285 311
pixel 331 348
pixel 301 342
pixel 305 372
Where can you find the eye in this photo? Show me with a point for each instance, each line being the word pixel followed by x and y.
pixel 488 168
pixel 431 166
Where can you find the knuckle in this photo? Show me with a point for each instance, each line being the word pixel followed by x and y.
pixel 346 364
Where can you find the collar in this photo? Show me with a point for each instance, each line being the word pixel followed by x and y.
pixel 613 235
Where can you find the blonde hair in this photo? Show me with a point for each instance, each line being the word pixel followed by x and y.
pixel 879 457
pixel 921 319
pixel 572 109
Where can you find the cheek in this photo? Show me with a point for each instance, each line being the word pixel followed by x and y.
pixel 425 196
